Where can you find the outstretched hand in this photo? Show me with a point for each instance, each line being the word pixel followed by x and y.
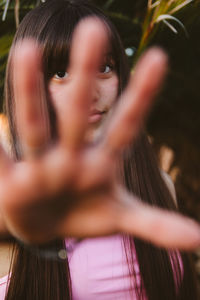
pixel 71 188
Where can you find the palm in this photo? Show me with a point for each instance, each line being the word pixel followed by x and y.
pixel 71 189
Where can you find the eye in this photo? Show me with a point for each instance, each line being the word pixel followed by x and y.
pixel 105 69
pixel 60 75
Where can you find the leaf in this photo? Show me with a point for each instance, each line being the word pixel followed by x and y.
pixel 151 6
pixel 170 26
pixel 169 17
pixel 155 4
pixel 5 10
pixel 180 6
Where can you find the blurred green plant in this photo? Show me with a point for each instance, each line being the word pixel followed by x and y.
pixel 15 6
pixel 161 11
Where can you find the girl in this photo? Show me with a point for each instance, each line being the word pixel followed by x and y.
pixel 71 93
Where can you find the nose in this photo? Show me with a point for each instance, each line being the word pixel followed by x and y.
pixel 95 92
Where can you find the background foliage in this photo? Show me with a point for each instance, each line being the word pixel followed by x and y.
pixel 174 124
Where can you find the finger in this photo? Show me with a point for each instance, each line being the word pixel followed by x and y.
pixel 31 107
pixel 160 227
pixel 87 47
pixel 137 99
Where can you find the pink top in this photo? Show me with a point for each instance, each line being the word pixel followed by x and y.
pixel 99 270
pixel 3 283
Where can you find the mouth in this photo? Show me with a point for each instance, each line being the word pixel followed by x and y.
pixel 96 116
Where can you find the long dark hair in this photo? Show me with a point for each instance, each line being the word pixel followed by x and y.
pixel 34 277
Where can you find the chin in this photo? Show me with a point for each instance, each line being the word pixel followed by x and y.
pixel 93 134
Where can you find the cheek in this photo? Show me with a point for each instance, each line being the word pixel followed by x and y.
pixel 110 92
pixel 54 94
pixel 58 96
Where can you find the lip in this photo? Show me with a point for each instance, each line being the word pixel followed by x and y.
pixel 95 116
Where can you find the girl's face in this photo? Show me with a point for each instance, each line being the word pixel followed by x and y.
pixel 104 94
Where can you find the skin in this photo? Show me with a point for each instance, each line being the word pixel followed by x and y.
pixel 70 188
